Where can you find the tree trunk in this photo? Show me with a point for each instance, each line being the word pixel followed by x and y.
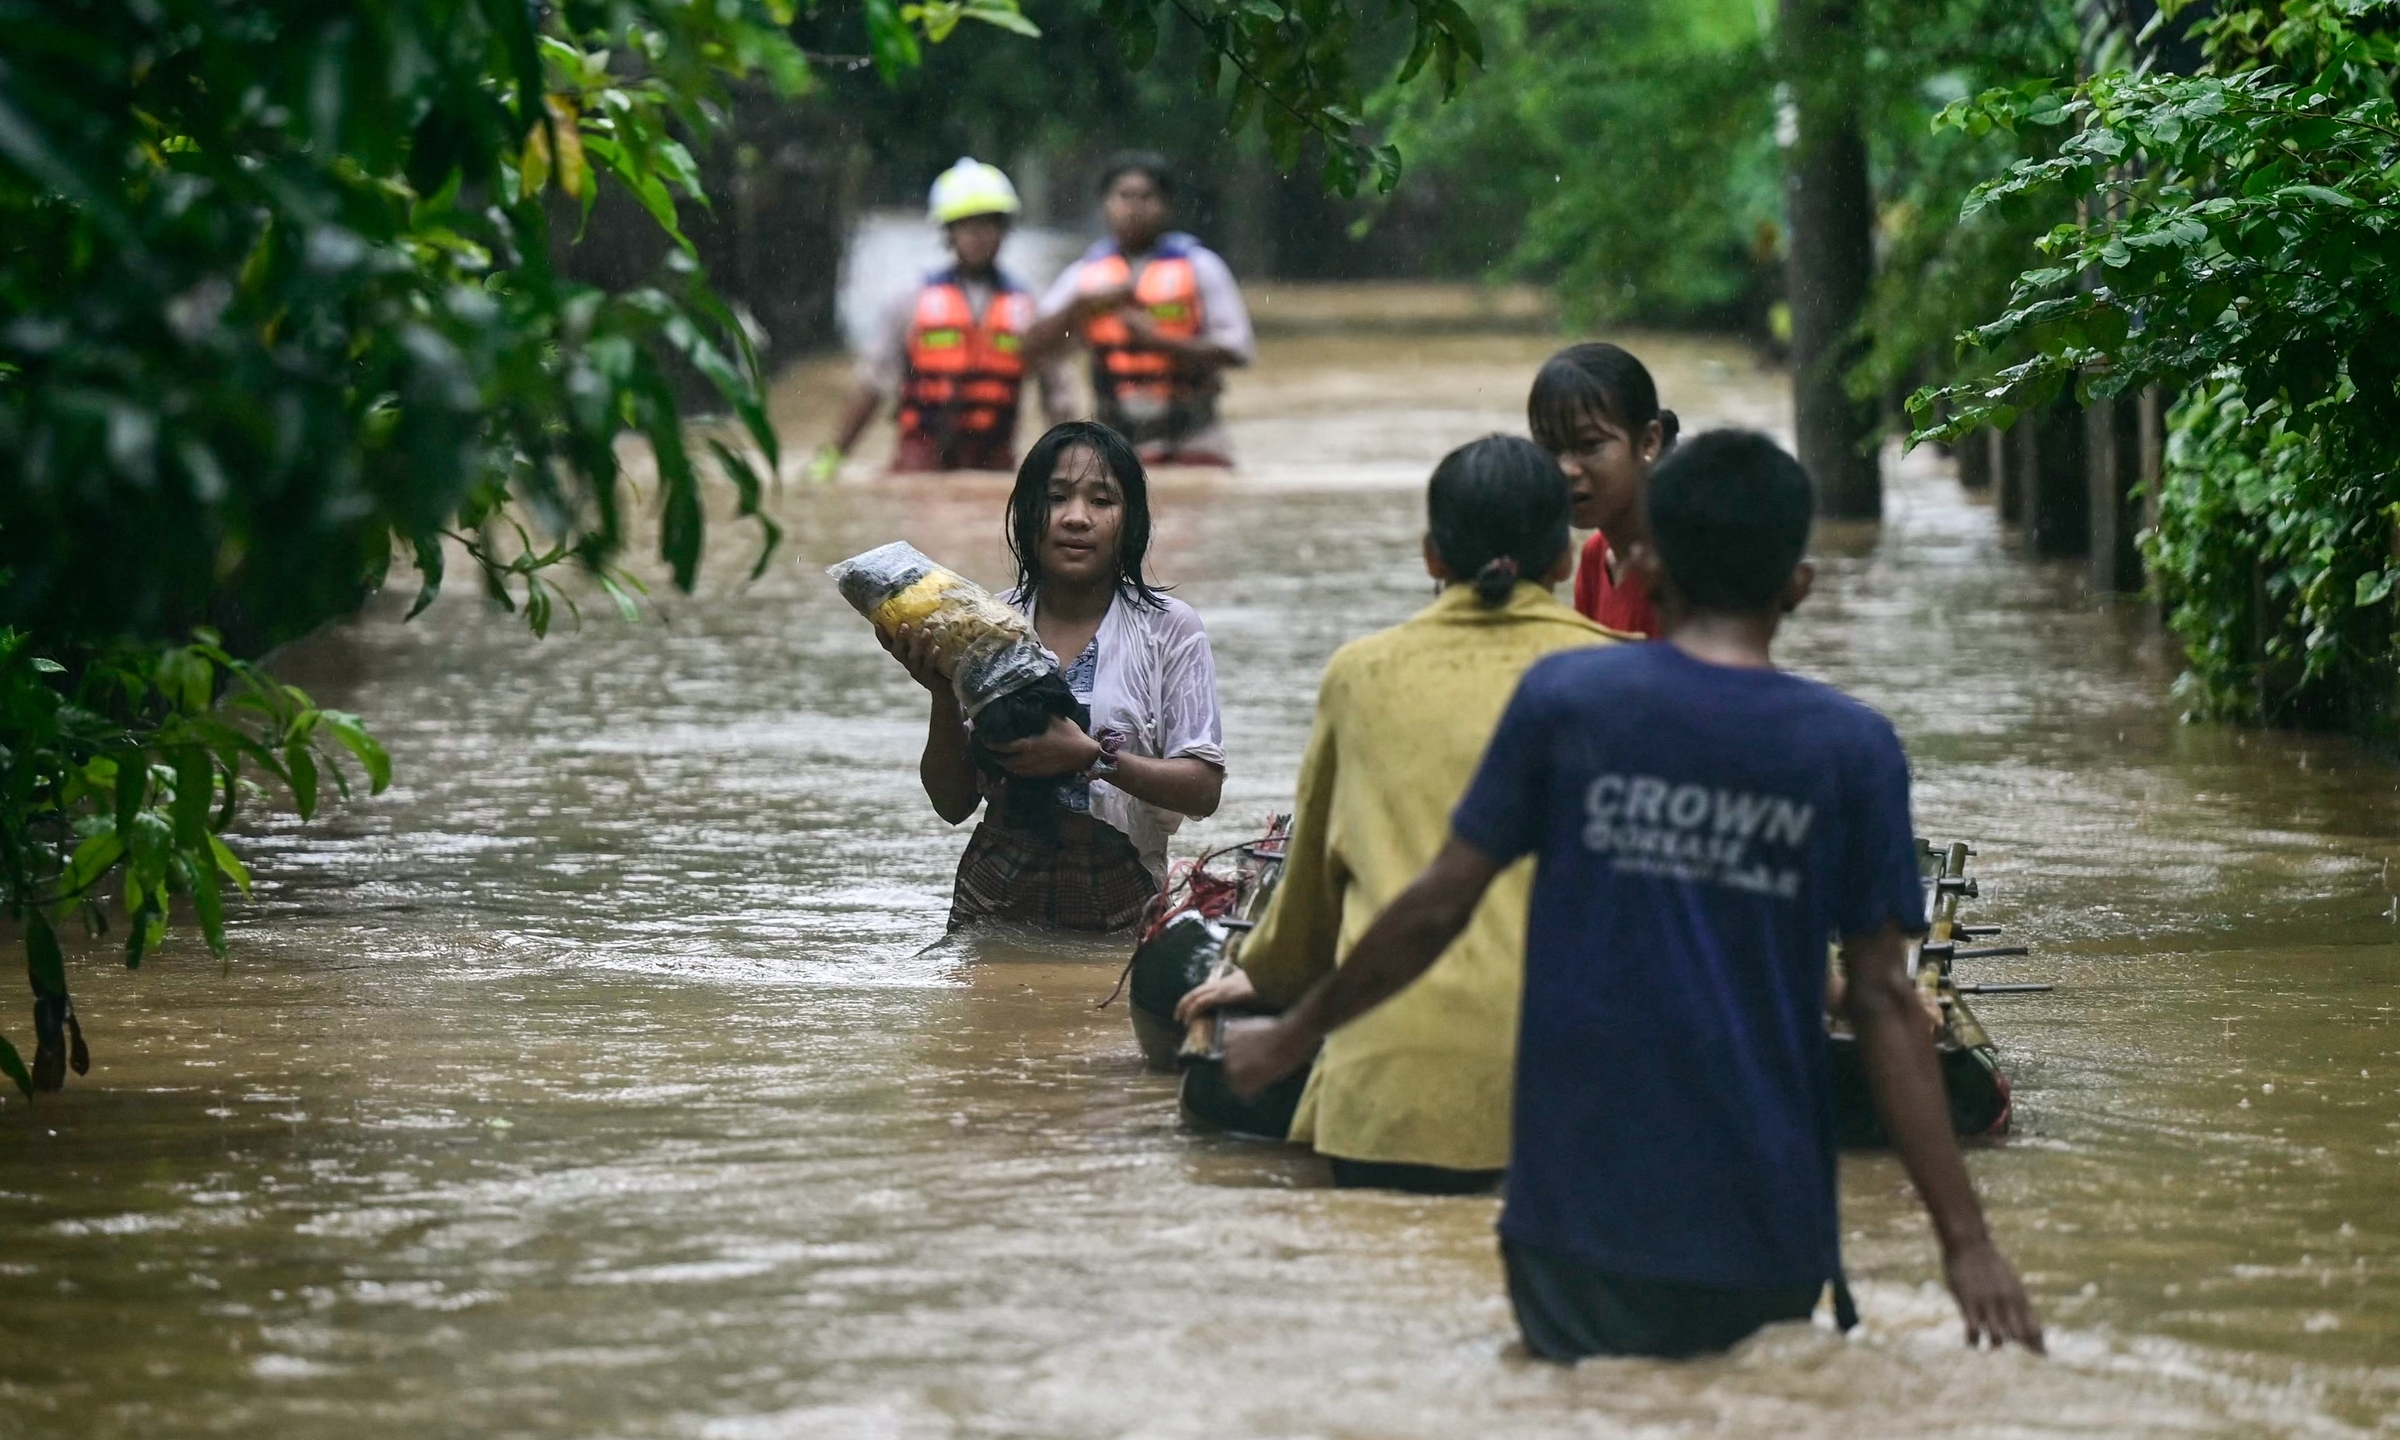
pixel 2113 458
pixel 1831 211
pixel 2020 459
pixel 2058 507
pixel 1974 453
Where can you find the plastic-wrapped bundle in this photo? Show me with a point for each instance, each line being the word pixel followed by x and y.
pixel 1008 685
pixel 986 648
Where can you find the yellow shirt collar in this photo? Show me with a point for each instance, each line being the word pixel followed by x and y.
pixel 1459 605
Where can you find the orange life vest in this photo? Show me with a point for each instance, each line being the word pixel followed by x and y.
pixel 1141 392
pixel 964 374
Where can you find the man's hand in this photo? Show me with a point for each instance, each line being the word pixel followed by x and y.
pixel 1991 1298
pixel 1888 1015
pixel 1402 944
pixel 1194 355
pixel 1216 993
pixel 825 465
pixel 1260 1052
pixel 1063 749
pixel 1091 306
pixel 1144 330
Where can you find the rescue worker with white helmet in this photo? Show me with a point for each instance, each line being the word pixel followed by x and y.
pixel 1160 314
pixel 951 354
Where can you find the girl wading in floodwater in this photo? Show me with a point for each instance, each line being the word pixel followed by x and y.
pixel 1079 526
pixel 1595 408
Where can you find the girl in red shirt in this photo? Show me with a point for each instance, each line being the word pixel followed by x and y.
pixel 1595 408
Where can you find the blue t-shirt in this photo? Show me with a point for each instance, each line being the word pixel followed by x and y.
pixel 1703 830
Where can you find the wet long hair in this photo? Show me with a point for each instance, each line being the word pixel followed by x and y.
pixel 1029 508
pixel 1498 511
pixel 1594 378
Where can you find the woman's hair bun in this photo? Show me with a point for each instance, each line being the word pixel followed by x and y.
pixel 1497 513
pixel 1497 580
pixel 1669 427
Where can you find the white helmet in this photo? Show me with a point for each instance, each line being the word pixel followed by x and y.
pixel 971 188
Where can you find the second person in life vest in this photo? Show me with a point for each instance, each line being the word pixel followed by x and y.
pixel 1160 314
pixel 952 353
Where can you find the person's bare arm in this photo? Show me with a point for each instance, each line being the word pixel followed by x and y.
pixel 1298 938
pixel 945 769
pixel 1889 1021
pixel 881 374
pixel 1231 987
pixel 1183 784
pixel 1046 337
pixel 1058 393
pixel 1197 355
pixel 857 413
pixel 1052 333
pixel 1401 944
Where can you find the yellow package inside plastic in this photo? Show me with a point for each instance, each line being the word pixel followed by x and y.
pixel 958 615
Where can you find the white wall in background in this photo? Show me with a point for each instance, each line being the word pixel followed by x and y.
pixel 891 251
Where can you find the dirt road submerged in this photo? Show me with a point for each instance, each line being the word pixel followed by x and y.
pixel 597 1080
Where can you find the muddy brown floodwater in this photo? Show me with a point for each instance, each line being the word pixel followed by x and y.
pixel 598 1081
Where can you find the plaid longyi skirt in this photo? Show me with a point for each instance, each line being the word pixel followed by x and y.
pixel 1091 879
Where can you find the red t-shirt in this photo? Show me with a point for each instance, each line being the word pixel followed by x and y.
pixel 1618 604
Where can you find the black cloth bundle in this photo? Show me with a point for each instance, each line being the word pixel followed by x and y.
pixel 1029 805
pixel 1007 685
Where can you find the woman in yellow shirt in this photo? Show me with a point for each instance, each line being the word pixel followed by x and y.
pixel 1416 1095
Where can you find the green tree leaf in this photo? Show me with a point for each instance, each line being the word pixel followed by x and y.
pixel 13 1065
pixel 93 859
pixel 889 39
pixel 429 567
pixel 229 865
pixel 1139 34
pixel 300 771
pixel 45 967
pixel 195 795
pixel 208 904
pixel 352 734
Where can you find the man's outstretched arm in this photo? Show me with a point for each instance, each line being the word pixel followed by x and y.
pixel 1402 944
pixel 1907 1083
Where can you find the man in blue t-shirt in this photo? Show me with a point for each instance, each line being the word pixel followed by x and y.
pixel 1703 822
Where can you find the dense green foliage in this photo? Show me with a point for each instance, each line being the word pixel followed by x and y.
pixel 1940 271
pixel 1048 124
pixel 280 302
pixel 2239 245
pixel 129 771
pixel 1628 152
pixel 1290 65
pixel 281 296
pixel 1052 123
pixel 1623 150
pixel 1293 69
